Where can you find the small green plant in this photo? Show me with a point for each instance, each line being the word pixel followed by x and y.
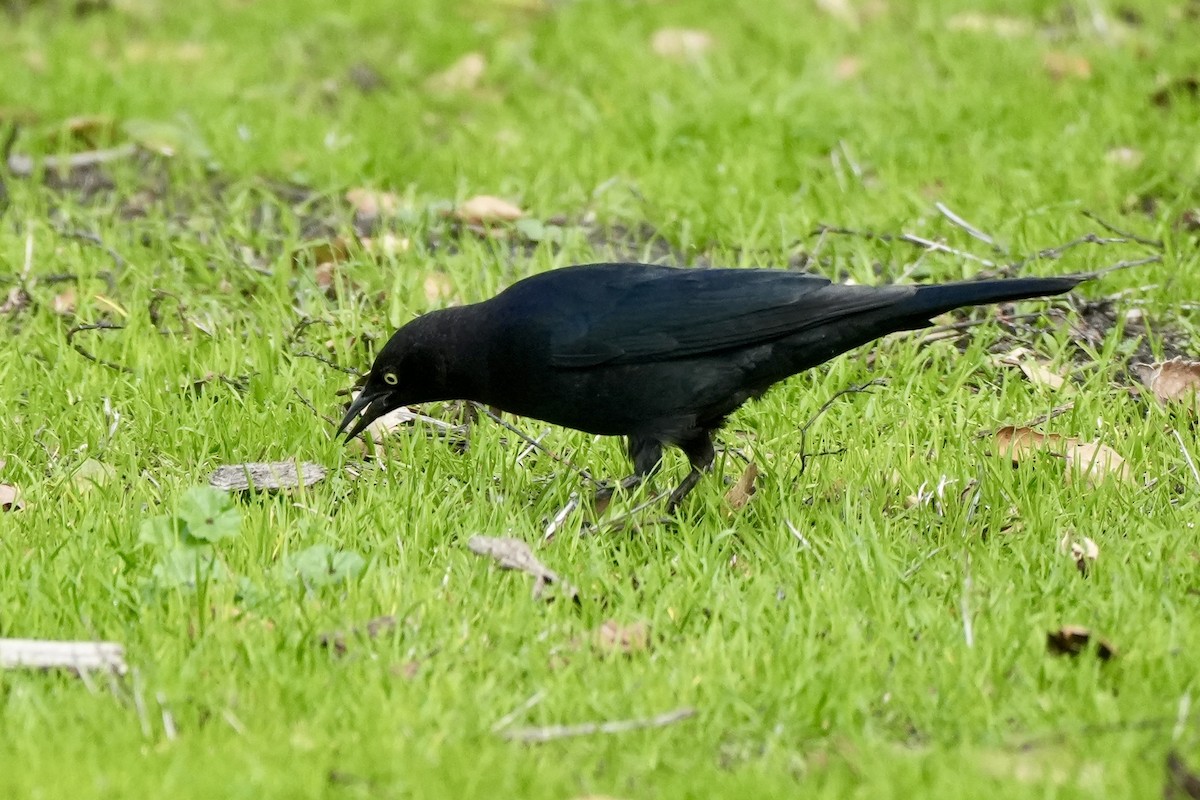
pixel 184 540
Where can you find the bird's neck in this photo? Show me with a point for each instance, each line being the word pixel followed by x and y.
pixel 455 335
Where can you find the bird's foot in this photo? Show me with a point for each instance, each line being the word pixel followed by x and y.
pixel 605 493
pixel 681 491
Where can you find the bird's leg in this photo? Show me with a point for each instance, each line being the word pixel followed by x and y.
pixel 645 455
pixel 701 455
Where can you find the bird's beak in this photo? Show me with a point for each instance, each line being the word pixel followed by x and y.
pixel 371 407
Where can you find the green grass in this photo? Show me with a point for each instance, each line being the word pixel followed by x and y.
pixel 831 668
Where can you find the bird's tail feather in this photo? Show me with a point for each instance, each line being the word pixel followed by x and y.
pixel 929 301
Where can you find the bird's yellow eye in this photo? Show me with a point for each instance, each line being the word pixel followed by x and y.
pixel 390 378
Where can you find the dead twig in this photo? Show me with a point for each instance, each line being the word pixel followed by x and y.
pixel 23 166
pixel 512 553
pixel 966 226
pixel 550 733
pixel 619 522
pixel 535 444
pixel 96 326
pixel 918 241
pixel 864 388
pixel 330 363
pixel 1133 237
pixel 561 517
pixel 93 238
pixel 1188 457
pixel 308 404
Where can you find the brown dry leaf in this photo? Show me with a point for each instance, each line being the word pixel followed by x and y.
pixel 372 203
pixel 1095 462
pixel 976 22
pixel 681 43
pixel 64 302
pixel 18 300
pixel 438 287
pixel 10 498
pixel 1083 552
pixel 266 476
pixel 1059 65
pixel 841 10
pixel 847 68
pixel 335 251
pixel 461 76
pixel 1070 640
pixel 1124 156
pixel 613 638
pixel 1176 379
pixel 1036 370
pixel 740 493
pixel 388 244
pixel 1020 443
pixel 374 628
pixel 515 554
pixel 484 208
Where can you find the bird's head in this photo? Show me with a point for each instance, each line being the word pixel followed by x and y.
pixel 413 367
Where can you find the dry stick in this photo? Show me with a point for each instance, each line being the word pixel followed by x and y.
pixel 561 517
pixel 861 388
pixel 550 733
pixel 93 238
pixel 966 226
pixel 329 363
pixel 534 443
pixel 620 521
pixel 511 717
pixel 23 166
pixel 1188 457
pixel 313 408
pixel 924 244
pixel 96 326
pixel 1155 243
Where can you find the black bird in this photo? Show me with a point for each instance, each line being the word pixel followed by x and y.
pixel 659 355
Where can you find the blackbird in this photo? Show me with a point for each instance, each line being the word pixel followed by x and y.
pixel 659 355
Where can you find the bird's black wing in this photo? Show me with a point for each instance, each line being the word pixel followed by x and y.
pixel 629 314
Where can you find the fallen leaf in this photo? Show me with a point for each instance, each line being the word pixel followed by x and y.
pixel 681 43
pixel 1082 551
pixel 334 251
pixel 438 287
pixel 64 303
pixel 18 300
pixel 1070 640
pixel 10 498
pixel 613 638
pixel 483 208
pixel 847 68
pixel 841 10
pixel 1020 443
pixel 371 203
pixel 91 475
pixel 1059 65
pixel 976 22
pixel 740 493
pixel 1035 370
pixel 336 640
pixel 1124 156
pixel 515 554
pixel 389 244
pixel 1096 462
pixel 1176 379
pixel 266 476
pixel 461 76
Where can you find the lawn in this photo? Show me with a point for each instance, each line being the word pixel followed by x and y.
pixel 263 191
